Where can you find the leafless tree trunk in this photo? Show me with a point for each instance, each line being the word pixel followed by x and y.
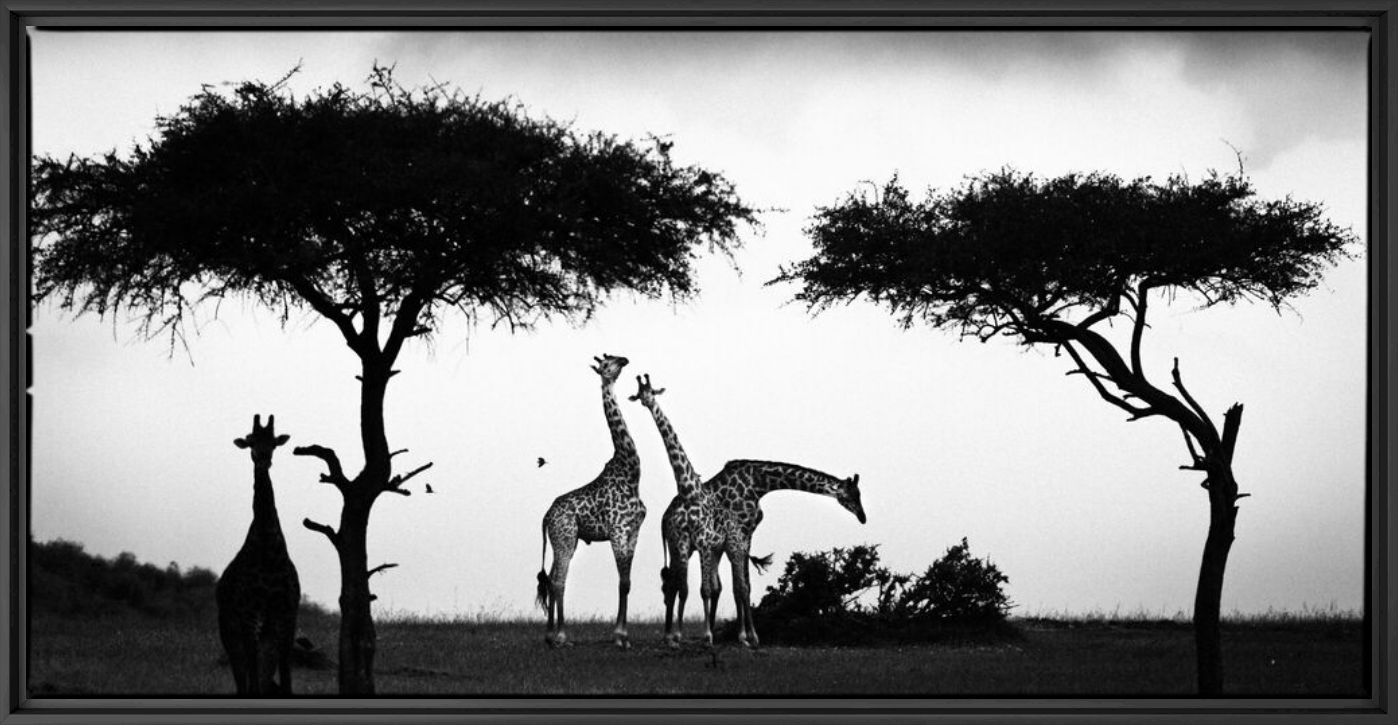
pixel 358 640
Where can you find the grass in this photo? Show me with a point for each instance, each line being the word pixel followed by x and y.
pixel 1280 655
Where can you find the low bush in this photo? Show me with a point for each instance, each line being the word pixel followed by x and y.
pixel 843 596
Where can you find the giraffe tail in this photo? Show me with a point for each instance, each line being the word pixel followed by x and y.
pixel 760 562
pixel 545 588
pixel 541 596
pixel 667 584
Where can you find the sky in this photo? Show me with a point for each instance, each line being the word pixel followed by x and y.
pixel 1084 512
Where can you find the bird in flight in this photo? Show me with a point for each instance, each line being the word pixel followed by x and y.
pixel 542 461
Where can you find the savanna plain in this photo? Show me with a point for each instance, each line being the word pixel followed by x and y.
pixel 1273 655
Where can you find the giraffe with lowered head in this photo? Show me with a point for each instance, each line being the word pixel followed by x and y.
pixel 738 489
pixel 259 592
pixel 607 509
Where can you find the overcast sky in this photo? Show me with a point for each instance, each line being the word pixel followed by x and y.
pixel 1084 512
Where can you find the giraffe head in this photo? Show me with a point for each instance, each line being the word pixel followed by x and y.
pixel 644 392
pixel 609 367
pixel 262 440
pixel 846 491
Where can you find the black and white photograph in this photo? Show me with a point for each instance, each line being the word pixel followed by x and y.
pixel 685 362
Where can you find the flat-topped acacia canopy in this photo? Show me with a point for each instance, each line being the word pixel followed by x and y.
pixel 388 200
pixel 1009 252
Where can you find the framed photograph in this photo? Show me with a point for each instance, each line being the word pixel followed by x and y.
pixel 719 361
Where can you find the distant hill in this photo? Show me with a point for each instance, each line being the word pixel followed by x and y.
pixel 67 581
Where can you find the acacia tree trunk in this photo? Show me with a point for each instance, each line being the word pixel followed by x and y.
pixel 357 636
pixel 358 639
pixel 1213 456
pixel 1208 595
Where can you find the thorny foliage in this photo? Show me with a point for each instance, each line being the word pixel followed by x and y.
pixel 956 587
pixel 387 203
pixel 1011 253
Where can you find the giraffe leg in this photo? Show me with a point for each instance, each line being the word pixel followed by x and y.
pixel 623 551
pixel 679 590
pixel 253 665
pixel 713 600
pixel 288 641
pixel 558 580
pixel 239 662
pixel 675 586
pixel 268 646
pixel 233 645
pixel 669 589
pixel 740 594
pixel 751 627
pixel 708 591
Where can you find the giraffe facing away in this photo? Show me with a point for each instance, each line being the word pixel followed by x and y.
pixel 738 490
pixel 259 592
pixel 693 522
pixel 607 509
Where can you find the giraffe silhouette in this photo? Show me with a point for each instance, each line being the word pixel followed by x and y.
pixel 609 508
pixel 259 592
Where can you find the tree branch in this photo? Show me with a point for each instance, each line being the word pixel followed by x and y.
pixel 369 299
pixel 332 462
pixel 1094 377
pixel 379 568
pixel 405 321
pixel 1194 456
pixel 1232 418
pixel 395 484
pixel 1109 310
pixel 1098 316
pixel 1137 329
pixel 1193 404
pixel 327 309
pixel 322 528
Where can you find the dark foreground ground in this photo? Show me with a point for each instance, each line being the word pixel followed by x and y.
pixel 131 655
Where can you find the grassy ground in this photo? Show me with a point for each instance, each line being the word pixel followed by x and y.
pixel 1275 657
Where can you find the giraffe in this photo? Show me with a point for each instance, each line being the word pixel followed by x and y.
pixel 738 489
pixel 693 522
pixel 607 509
pixel 259 591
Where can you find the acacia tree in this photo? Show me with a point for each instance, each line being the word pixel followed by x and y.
pixel 1051 261
pixel 379 210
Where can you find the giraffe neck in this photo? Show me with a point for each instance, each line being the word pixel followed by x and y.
pixel 686 479
pixel 769 476
pixel 622 445
pixel 265 523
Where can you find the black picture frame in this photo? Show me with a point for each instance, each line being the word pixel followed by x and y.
pixel 1377 17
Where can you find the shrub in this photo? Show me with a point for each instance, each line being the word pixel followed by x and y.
pixel 824 583
pixel 956 587
pixel 821 597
